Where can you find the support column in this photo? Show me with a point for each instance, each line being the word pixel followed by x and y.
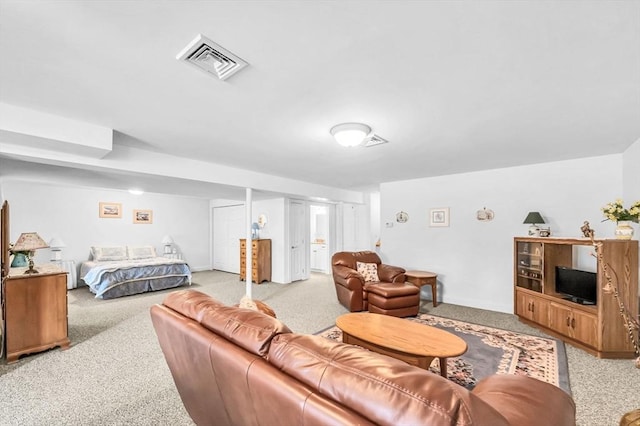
pixel 248 272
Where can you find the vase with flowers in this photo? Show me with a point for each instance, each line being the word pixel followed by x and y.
pixel 623 217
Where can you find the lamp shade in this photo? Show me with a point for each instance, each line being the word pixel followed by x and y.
pixel 167 240
pixel 29 241
pixel 56 243
pixel 350 134
pixel 533 218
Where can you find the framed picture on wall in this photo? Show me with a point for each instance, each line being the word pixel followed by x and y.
pixel 110 210
pixel 439 216
pixel 143 216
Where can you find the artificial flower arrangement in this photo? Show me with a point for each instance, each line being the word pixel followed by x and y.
pixel 616 212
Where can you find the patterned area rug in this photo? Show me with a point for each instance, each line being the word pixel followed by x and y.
pixel 494 351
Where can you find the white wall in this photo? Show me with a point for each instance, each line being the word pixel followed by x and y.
pixel 274 230
pixel 631 180
pixel 71 213
pixel 631 173
pixel 474 259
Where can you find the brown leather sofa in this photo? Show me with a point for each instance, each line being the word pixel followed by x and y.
pixel 389 296
pixel 234 366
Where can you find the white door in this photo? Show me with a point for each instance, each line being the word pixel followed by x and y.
pixel 299 247
pixel 228 228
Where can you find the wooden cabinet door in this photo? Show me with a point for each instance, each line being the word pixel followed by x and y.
pixel 560 319
pixel 533 308
pixel 36 314
pixel 574 323
pixel 585 328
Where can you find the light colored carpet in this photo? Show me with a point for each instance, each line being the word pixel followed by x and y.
pixel 115 374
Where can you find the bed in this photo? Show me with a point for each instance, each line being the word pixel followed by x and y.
pixel 118 271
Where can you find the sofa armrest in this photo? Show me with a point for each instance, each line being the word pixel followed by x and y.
pixel 347 277
pixel 525 401
pixel 391 274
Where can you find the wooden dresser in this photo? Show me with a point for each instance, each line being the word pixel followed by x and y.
pixel 35 311
pixel 261 260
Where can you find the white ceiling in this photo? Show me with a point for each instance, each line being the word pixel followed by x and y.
pixel 454 86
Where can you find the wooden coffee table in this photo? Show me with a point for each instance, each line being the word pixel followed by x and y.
pixel 414 343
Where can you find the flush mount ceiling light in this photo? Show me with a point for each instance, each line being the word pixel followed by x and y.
pixel 350 134
pixel 211 57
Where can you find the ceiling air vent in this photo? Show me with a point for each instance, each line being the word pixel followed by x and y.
pixel 373 140
pixel 211 57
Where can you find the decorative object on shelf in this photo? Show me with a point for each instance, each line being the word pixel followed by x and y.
pixel 545 232
pixel 262 220
pixel 631 324
pixel 624 230
pixel 533 218
pixel 56 245
pixel 110 210
pixel 255 231
pixel 616 212
pixel 29 242
pixel 402 217
pixel 167 241
pixel 587 232
pixel 350 134
pixel 485 215
pixel 439 216
pixel 143 216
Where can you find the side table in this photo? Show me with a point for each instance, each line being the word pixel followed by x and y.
pixel 421 278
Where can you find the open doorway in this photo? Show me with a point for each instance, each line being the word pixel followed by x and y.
pixel 319 237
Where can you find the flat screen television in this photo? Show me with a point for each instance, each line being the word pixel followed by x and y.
pixel 577 286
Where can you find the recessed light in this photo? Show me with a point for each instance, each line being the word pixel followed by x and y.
pixel 136 191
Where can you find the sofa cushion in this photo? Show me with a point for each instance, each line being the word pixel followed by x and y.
pixel 191 303
pixel 349 258
pixel 248 329
pixel 384 390
pixel 519 400
pixel 391 290
pixel 369 271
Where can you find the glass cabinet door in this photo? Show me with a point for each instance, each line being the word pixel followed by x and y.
pixel 529 271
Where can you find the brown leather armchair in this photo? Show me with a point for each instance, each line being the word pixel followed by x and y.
pixel 390 296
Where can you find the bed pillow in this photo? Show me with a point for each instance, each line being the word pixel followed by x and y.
pixel 369 271
pixel 102 254
pixel 141 252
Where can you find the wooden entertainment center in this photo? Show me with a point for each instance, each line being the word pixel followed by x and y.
pixel 599 328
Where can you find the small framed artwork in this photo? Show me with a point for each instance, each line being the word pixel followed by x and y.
pixel 439 216
pixel 143 216
pixel 110 210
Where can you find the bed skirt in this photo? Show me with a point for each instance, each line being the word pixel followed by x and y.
pixel 142 286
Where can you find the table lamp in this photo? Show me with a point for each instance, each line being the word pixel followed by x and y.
pixel 56 245
pixel 533 218
pixel 29 242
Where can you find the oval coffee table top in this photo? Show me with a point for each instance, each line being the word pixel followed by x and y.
pixel 401 334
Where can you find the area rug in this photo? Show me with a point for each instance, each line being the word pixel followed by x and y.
pixel 494 351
